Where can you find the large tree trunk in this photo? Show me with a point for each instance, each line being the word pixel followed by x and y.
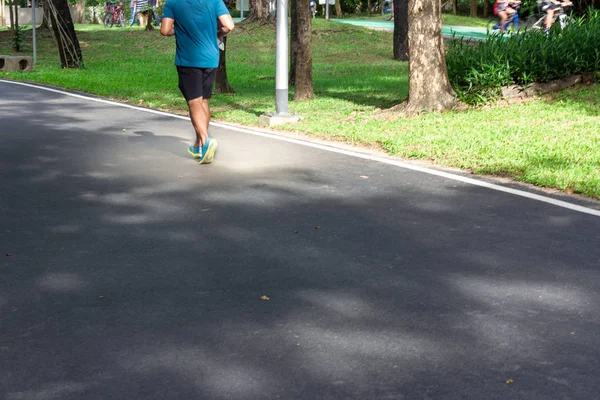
pixel 428 85
pixel 259 11
pixel 64 33
pixel 79 11
pixel 338 9
pixel 304 82
pixel 473 7
pixel 485 8
pixel 454 7
pixel 401 30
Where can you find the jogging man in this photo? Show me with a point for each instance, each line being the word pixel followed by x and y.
pixel 194 24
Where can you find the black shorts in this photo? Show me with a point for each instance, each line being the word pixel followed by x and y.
pixel 196 82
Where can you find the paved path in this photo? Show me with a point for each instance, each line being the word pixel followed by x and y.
pixel 447 30
pixel 132 273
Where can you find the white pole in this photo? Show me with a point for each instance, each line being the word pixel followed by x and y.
pixel 33 24
pixel 281 60
pixel 327 10
pixel 242 9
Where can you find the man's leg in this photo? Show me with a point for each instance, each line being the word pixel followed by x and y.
pixel 200 116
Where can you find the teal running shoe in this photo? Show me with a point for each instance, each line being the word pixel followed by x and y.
pixel 196 152
pixel 208 151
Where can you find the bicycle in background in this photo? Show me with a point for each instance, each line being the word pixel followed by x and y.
pixel 387 9
pixel 115 15
pixel 538 21
pixel 511 22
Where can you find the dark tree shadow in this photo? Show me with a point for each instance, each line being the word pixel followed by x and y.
pixel 141 275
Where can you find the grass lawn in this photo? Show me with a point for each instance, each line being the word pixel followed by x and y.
pixel 552 142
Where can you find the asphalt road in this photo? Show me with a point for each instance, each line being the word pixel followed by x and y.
pixel 130 272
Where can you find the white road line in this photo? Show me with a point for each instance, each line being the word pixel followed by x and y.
pixel 447 175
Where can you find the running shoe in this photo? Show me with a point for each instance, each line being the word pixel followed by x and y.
pixel 196 152
pixel 208 151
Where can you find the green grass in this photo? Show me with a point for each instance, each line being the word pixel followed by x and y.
pixel 551 143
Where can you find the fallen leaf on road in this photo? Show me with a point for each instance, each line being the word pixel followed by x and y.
pixel 263 297
pixel 510 381
pixel 124 130
pixel 364 177
pixel 179 177
pixel 100 297
pixel 8 254
pixel 317 227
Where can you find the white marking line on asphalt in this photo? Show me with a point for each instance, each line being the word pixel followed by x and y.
pixel 447 175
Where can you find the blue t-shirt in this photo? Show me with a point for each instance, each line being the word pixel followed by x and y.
pixel 196 31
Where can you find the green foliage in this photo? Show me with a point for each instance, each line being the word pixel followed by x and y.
pixel 478 71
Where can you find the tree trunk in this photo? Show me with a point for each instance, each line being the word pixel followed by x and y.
pixel 401 30
pixel 79 11
pixel 304 82
pixel 16 11
pixel 221 82
pixel 454 7
pixel 485 8
pixel 2 16
pixel 428 85
pixel 64 33
pixel 259 12
pixel 338 9
pixel 368 8
pixel 293 41
pixel 11 13
pixel 473 7
pixel 44 29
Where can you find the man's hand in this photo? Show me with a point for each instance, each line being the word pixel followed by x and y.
pixel 227 25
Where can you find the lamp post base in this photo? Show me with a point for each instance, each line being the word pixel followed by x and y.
pixel 278 119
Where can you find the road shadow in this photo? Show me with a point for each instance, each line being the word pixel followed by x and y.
pixel 136 279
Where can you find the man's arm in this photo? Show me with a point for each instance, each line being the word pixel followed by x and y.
pixel 166 27
pixel 227 25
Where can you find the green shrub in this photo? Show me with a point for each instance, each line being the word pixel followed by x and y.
pixel 478 71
